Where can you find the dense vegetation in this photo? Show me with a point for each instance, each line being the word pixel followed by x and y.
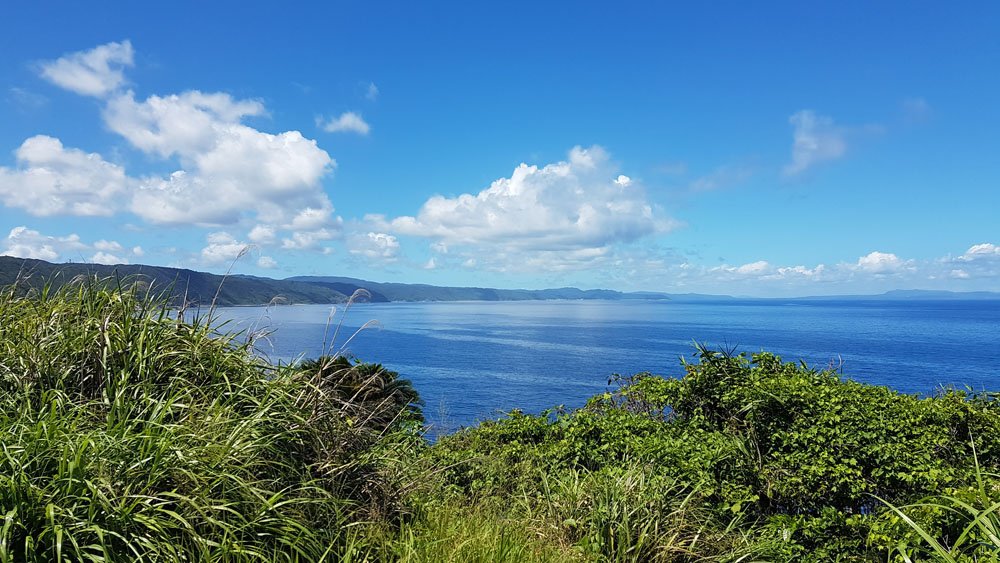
pixel 130 431
pixel 424 292
pixel 198 288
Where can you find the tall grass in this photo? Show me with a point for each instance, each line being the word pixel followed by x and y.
pixel 971 515
pixel 128 435
pixel 130 431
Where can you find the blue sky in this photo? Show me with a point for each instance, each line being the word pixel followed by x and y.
pixel 787 149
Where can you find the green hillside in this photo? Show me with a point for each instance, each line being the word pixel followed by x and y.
pixel 199 288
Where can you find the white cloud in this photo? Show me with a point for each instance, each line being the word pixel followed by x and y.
pixel 816 139
pixel 227 172
pixel 801 271
pixel 347 122
pixel 229 169
pixel 376 247
pixel 312 218
pixel 430 264
pixel 53 180
pixel 96 72
pixel 307 240
pixel 750 269
pixel 984 251
pixel 107 259
pixel 876 272
pixel 882 263
pixel 623 181
pixel 575 206
pixel 185 125
pixel 262 234
pixel 372 92
pixel 23 242
pixel 758 267
pixel 266 262
pixel 107 246
pixel 138 251
pixel 222 248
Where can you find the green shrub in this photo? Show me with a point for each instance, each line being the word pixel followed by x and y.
pixel 128 434
pixel 768 458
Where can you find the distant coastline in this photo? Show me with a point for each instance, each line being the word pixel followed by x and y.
pixel 201 288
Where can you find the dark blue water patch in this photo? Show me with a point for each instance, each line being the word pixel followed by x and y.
pixel 474 360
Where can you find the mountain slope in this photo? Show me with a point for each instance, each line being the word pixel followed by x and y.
pixel 198 288
pixel 423 292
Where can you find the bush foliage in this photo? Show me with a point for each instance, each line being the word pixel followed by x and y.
pixel 741 454
pixel 131 433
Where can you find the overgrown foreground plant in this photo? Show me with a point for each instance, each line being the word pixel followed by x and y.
pixel 744 458
pixel 968 516
pixel 129 435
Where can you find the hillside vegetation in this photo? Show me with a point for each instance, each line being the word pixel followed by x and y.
pixel 196 288
pixel 132 432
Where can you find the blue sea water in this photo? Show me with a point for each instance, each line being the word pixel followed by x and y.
pixel 476 360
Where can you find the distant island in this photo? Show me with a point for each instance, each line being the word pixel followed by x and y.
pixel 239 289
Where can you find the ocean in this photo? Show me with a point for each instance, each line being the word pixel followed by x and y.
pixel 476 360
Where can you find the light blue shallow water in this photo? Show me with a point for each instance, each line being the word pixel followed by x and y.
pixel 474 360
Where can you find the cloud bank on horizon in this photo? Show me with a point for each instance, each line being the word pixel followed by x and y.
pixel 201 163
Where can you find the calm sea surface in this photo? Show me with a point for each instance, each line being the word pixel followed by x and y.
pixel 475 360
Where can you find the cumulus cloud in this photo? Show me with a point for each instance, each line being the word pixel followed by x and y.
pixel 229 172
pixel 23 242
pixel 984 251
pixel 229 169
pixel 96 72
pixel 312 218
pixel 267 262
pixel 758 267
pixel 801 271
pixel 750 269
pixel 108 246
pixel 307 240
pixel 581 205
pixel 51 179
pixel 262 234
pixel 815 139
pixel 185 124
pixel 882 263
pixel 347 122
pixel 376 247
pixel 222 248
pixel 872 273
pixel 977 268
pixel 372 92
pixel 107 259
